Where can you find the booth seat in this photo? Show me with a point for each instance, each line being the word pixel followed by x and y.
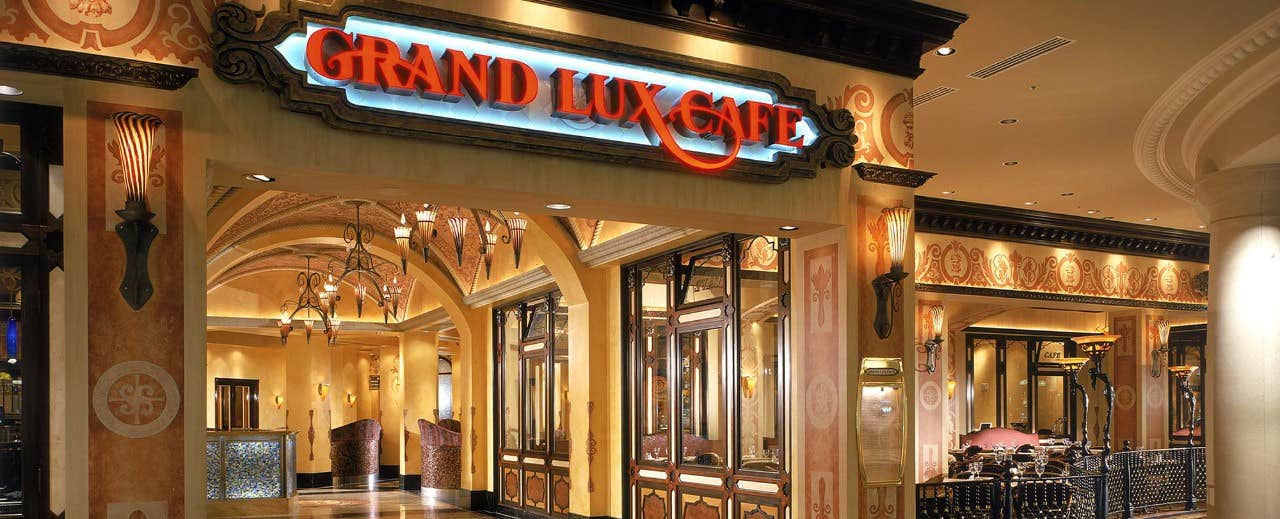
pixel 353 449
pixel 989 438
pixel 441 454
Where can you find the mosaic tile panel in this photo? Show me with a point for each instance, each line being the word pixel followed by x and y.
pixel 213 470
pixel 253 469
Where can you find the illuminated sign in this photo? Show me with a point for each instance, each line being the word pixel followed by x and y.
pixel 452 77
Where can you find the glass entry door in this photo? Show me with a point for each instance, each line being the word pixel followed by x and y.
pixel 30 247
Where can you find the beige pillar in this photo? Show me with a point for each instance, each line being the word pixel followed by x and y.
pixel 589 391
pixel 306 368
pixel 420 380
pixel 390 405
pixel 1243 378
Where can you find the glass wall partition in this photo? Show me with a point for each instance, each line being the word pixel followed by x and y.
pixel 1014 383
pixel 706 353
pixel 531 363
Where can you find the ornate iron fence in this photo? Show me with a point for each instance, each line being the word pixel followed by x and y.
pixel 1137 482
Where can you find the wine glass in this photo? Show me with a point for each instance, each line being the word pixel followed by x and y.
pixel 974 468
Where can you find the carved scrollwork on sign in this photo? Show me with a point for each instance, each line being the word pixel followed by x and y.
pixel 453 77
pixel 881 174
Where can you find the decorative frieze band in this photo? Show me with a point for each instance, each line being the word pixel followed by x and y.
pixel 41 60
pixel 881 174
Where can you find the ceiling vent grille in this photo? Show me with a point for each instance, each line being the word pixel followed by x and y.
pixel 1033 52
pixel 931 95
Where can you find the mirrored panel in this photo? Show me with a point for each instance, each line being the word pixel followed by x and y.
pixel 703 423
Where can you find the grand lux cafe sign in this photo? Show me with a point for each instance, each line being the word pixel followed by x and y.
pixel 405 69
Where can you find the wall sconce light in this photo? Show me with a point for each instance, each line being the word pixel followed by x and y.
pixel 749 386
pixel 932 346
pixel 323 390
pixel 1159 355
pixel 1097 347
pixel 515 229
pixel 1183 375
pixel 897 220
pixel 137 134
pixel 351 400
pixel 279 401
pixel 951 389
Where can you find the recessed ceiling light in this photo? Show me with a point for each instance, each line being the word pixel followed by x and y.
pixel 1108 218
pixel 6 90
pixel 1150 219
pixel 1029 203
pixel 948 192
pixel 1011 163
pixel 1093 211
pixel 1009 121
pixel 1203 226
pixel 558 206
pixel 259 177
pixel 788 228
pixel 1067 193
pixel 946 51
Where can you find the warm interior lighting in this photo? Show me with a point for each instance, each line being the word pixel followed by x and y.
pixel 489 243
pixel 402 233
pixel 6 90
pixel 426 218
pixel 788 228
pixel 136 134
pixel 936 314
pixel 1093 211
pixel 259 177
pixel 897 222
pixel 933 345
pixel 458 226
pixel 351 400
pixel 279 401
pixel 749 386
pixel 322 390
pixel 286 326
pixel 1150 219
pixel 945 51
pixel 951 389
pixel 558 206
pixel 1160 353
pixel 948 192
pixel 515 228
pixel 1030 203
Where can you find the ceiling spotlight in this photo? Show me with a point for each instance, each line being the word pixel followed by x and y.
pixel 1203 226
pixel 6 90
pixel 1150 219
pixel 1009 121
pixel 1029 203
pixel 788 228
pixel 1011 163
pixel 1093 211
pixel 1067 193
pixel 558 206
pixel 259 177
pixel 948 192
pixel 946 51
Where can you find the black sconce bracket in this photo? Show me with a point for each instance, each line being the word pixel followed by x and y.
pixel 137 233
pixel 931 348
pixel 884 285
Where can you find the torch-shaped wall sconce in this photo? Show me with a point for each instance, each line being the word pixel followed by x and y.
pixel 1183 375
pixel 279 401
pixel 951 389
pixel 136 134
pixel 932 346
pixel 1161 352
pixel 897 220
pixel 749 386
pixel 351 400
pixel 286 325
pixel 322 390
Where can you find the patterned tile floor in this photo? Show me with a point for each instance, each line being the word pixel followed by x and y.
pixel 370 505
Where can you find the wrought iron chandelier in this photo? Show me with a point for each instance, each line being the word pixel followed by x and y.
pixel 312 297
pixel 489 223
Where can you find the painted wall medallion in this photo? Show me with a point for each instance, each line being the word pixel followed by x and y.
pixel 136 399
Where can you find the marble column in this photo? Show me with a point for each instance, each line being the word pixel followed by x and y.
pixel 1242 206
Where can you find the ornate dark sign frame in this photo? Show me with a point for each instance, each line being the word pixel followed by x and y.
pixel 244 52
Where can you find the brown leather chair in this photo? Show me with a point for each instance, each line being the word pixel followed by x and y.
pixel 441 454
pixel 353 449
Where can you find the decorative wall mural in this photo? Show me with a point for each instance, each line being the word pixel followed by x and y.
pixel 821 367
pixel 174 31
pixel 136 399
pixel 885 132
pixel 968 262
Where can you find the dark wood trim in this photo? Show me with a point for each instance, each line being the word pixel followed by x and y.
pixel 950 217
pixel 411 482
pixel 1040 334
pixel 881 174
pixel 884 36
pixel 315 479
pixel 1062 298
pixel 483 500
pixel 244 52
pixel 98 67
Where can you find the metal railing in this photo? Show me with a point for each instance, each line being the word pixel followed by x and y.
pixel 1137 482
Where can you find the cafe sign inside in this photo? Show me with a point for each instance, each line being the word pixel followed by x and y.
pixel 405 69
